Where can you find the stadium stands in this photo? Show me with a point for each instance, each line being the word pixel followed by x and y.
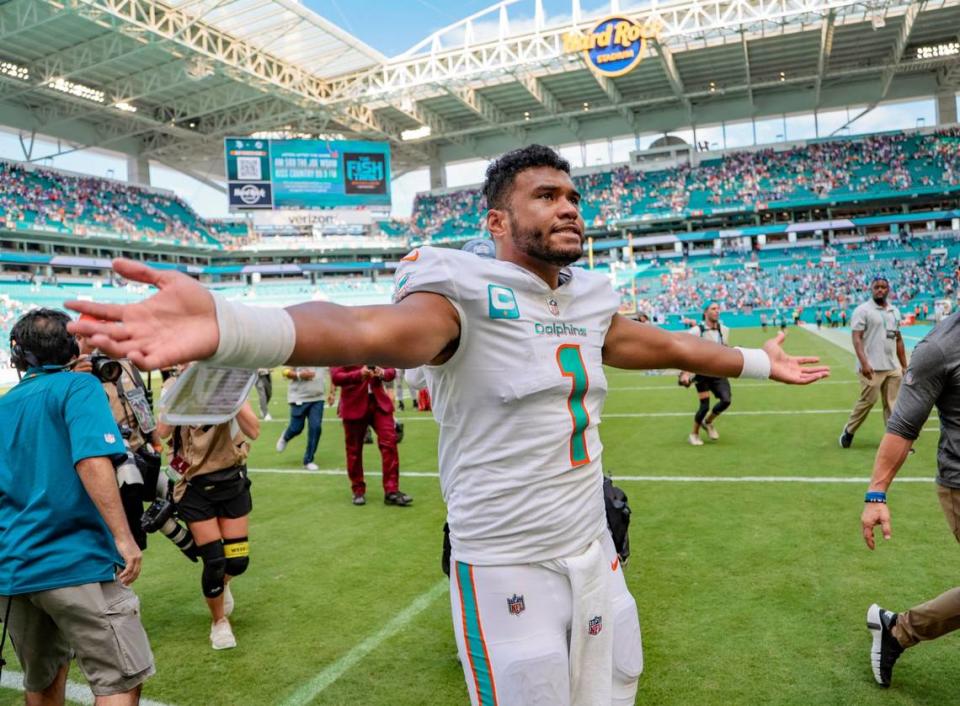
pixel 872 167
pixel 810 280
pixel 37 199
pixel 10 311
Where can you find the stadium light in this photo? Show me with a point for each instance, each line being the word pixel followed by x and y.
pixel 125 107
pixel 935 51
pixel 76 89
pixel 415 134
pixel 8 68
pixel 199 68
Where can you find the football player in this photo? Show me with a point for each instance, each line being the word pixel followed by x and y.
pixel 516 347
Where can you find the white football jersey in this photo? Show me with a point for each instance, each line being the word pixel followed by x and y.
pixel 518 405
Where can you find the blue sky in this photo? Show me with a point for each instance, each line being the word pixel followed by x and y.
pixel 399 23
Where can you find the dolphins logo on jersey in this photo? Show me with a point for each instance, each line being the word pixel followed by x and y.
pixel 502 302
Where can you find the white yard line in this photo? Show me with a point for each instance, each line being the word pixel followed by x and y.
pixel 327 676
pixel 618 477
pixel 686 413
pixel 78 693
pixel 735 384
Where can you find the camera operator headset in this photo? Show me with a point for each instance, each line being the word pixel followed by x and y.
pixel 131 406
pixel 212 495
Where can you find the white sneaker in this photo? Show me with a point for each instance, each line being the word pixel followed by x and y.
pixel 227 601
pixel 695 440
pixel 311 466
pixel 712 431
pixel 281 443
pixel 268 418
pixel 221 635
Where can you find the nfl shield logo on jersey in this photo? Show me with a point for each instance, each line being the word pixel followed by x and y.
pixel 515 604
pixel 554 306
pixel 595 625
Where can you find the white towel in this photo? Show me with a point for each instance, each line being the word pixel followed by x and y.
pixel 591 639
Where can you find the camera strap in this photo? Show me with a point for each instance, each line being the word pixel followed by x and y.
pixel 136 401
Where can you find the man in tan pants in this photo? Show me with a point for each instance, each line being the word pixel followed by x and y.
pixel 930 380
pixel 880 354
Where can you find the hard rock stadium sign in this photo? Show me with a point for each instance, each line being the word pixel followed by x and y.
pixel 614 46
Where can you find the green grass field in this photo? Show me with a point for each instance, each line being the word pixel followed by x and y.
pixel 749 592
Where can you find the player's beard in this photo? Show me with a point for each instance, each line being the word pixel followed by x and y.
pixel 534 243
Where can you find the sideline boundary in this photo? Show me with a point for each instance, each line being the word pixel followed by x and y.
pixel 78 693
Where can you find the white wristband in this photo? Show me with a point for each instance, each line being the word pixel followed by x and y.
pixel 251 336
pixel 756 363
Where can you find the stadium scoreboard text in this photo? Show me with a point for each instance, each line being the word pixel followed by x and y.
pixel 264 173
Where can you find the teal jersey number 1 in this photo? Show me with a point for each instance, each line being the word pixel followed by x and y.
pixel 571 365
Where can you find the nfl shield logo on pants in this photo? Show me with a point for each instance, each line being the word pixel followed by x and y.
pixel 595 625
pixel 515 604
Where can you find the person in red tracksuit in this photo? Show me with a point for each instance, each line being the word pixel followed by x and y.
pixel 364 403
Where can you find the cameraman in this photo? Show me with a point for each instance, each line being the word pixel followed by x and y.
pixel 213 497
pixel 130 405
pixel 63 534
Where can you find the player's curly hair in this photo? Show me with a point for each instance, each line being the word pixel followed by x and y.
pixel 502 172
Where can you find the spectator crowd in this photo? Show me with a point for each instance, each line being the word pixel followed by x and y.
pixel 737 181
pixel 47 199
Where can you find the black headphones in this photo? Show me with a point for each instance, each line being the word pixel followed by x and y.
pixel 23 359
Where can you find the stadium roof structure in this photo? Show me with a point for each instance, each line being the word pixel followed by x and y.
pixel 169 80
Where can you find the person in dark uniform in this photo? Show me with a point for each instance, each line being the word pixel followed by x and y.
pixel 711 329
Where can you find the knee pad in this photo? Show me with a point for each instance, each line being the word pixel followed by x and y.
pixel 702 411
pixel 214 568
pixel 237 552
pixel 720 406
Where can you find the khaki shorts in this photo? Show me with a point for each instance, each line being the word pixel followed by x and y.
pixel 97 622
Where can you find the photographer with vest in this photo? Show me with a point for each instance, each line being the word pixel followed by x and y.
pixel 131 405
pixel 212 496
pixel 67 555
pixel 711 329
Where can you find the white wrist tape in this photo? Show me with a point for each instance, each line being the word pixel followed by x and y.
pixel 756 363
pixel 252 336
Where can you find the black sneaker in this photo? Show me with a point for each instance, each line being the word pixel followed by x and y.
pixel 397 498
pixel 846 438
pixel 359 500
pixel 885 649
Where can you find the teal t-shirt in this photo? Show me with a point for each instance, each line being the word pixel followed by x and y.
pixel 51 533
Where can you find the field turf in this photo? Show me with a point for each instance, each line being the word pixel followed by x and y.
pixel 750 592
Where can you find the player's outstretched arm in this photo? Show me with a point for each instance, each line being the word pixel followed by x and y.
pixel 180 324
pixel 637 346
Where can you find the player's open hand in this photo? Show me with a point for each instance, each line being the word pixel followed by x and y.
pixel 875 514
pixel 178 324
pixel 792 369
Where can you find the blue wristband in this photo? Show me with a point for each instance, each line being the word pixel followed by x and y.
pixel 875 496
